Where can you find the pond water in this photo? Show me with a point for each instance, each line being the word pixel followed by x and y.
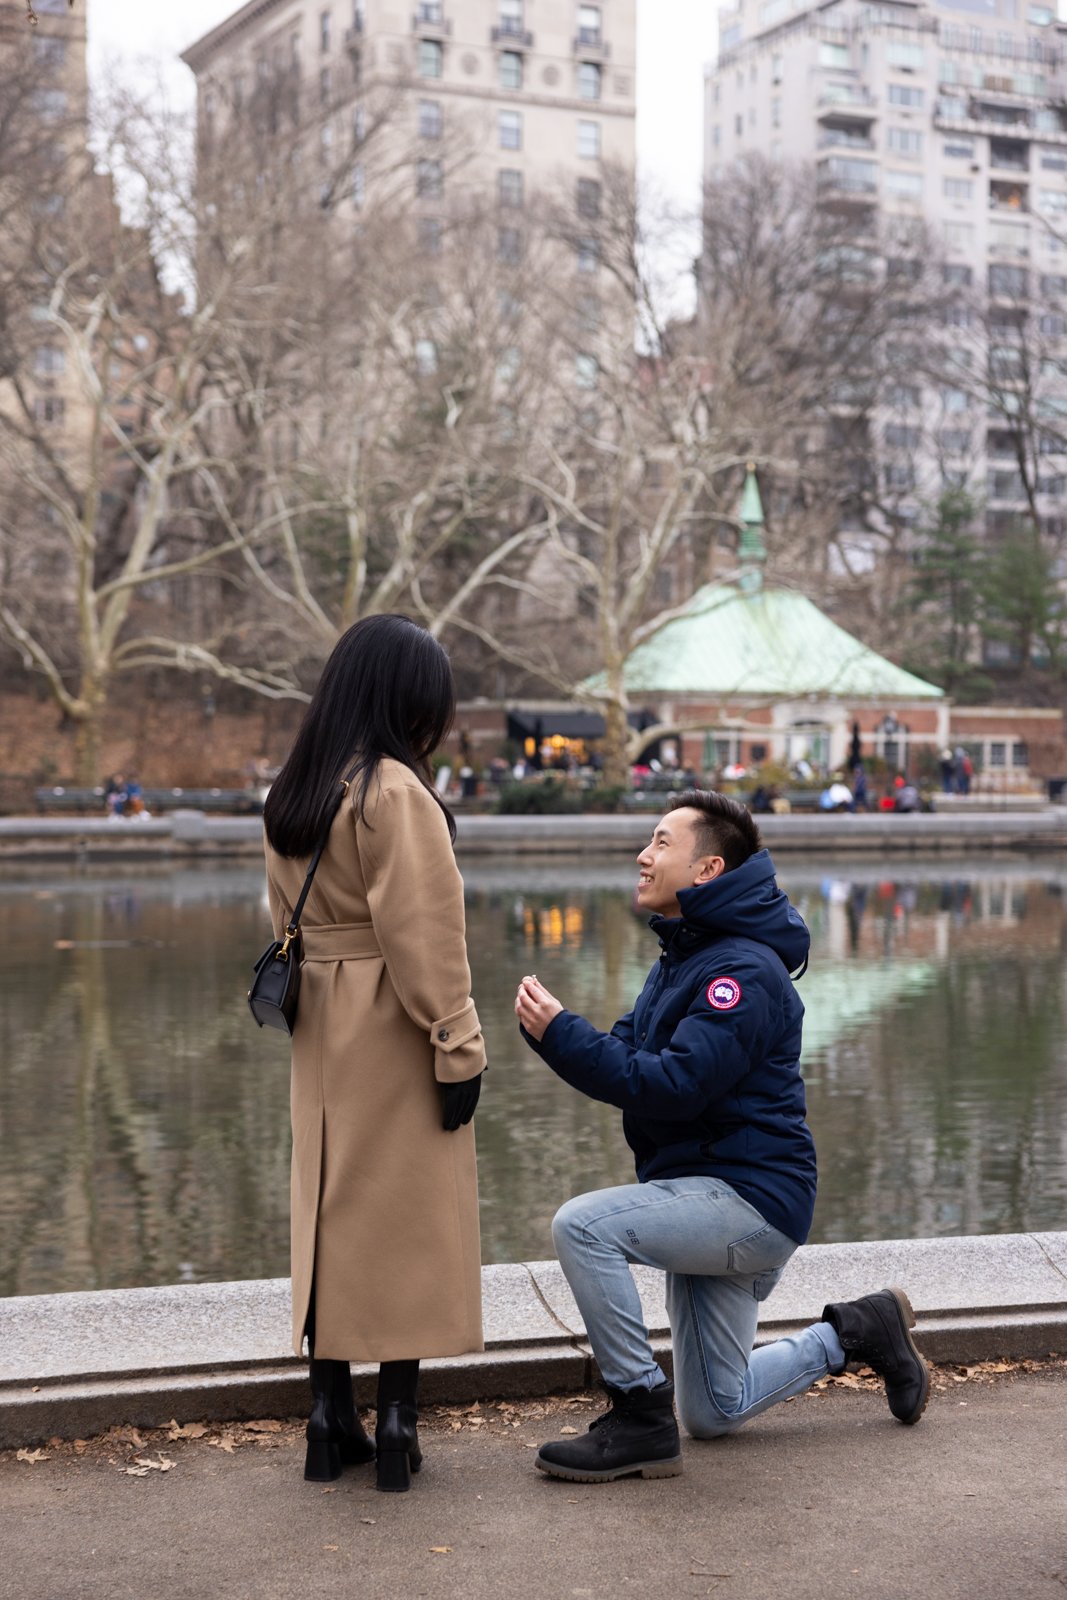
pixel 144 1119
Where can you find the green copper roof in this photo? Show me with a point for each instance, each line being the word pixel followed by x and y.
pixel 774 643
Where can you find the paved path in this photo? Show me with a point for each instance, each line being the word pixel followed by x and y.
pixel 824 1497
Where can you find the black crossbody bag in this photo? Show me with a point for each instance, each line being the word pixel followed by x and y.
pixel 276 975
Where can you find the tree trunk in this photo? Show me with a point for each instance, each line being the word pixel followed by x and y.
pixel 92 702
pixel 616 770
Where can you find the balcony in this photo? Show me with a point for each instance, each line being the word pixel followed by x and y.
pixel 845 139
pixel 354 34
pixel 590 44
pixel 1009 156
pixel 429 22
pixel 1007 196
pixel 510 33
pixel 847 103
pixel 845 181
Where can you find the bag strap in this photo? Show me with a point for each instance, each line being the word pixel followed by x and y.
pixel 293 925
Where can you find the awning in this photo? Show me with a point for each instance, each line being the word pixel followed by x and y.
pixel 568 722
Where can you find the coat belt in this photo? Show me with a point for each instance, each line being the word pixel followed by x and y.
pixel 341 941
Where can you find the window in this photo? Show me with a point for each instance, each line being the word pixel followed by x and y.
pixel 588 24
pixel 958 189
pixel 904 185
pixel 905 142
pixel 906 57
pixel 508 305
pixel 429 234
pixel 959 235
pixel 1053 283
pixel 898 436
pixel 834 55
pixel 324 30
pixel 739 125
pixel 431 119
pixel 49 361
pixel 48 409
pixel 1020 754
pixel 509 187
pixel 50 104
pixel 324 86
pixel 510 69
pixel 589 140
pixel 1011 282
pixel 899 475
pixel 431 58
pixel 509 246
pixel 429 180
pixel 511 17
pixel 959 152
pixel 954 441
pixel 425 357
pixel 508 363
pixel 998 753
pixel 953 400
pixel 1040 16
pixel 958 275
pixel 776 113
pixel 1053 162
pixel 588 253
pixel 588 198
pixel 1054 200
pixel 509 127
pixel 359 125
pixel 902 94
pixel 589 312
pixel 589 77
pixel 903 397
pixel 49 53
pixel 776 68
pixel 586 371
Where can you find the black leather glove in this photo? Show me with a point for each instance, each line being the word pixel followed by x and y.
pixel 459 1101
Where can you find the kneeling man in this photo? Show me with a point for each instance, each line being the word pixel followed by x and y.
pixel 705 1069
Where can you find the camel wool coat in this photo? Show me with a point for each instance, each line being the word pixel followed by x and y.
pixel 384 1201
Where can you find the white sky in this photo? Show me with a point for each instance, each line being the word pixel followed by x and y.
pixel 674 40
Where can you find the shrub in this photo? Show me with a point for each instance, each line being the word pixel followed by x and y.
pixel 549 797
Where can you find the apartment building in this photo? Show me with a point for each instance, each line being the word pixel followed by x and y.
pixel 45 97
pixel 523 94
pixel 951 116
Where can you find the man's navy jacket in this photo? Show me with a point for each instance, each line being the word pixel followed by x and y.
pixel 706 1065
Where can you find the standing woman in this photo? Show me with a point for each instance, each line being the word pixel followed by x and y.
pixel 387 1048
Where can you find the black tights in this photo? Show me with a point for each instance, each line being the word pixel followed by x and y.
pixel 397 1380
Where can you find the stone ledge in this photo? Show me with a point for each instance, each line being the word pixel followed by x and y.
pixel 74 1364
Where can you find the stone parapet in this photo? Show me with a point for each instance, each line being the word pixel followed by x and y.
pixel 74 1364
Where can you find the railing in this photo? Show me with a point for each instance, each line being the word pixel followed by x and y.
pixel 511 31
pixel 590 41
pixel 430 23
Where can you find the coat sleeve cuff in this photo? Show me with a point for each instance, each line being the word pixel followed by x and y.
pixel 459 1049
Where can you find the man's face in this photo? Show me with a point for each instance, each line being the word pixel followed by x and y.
pixel 671 862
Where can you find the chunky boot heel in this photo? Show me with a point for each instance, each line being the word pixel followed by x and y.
pixel 397 1441
pixel 394 1471
pixel 323 1461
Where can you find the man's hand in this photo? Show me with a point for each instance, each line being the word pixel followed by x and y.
pixel 535 1007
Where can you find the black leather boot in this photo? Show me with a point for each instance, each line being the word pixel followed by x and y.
pixel 876 1330
pixel 396 1436
pixel 335 1434
pixel 638 1435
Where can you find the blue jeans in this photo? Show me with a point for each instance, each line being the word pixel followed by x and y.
pixel 721 1258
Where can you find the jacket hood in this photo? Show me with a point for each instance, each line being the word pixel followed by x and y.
pixel 746 903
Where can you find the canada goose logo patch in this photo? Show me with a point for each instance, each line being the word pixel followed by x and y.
pixel 723 994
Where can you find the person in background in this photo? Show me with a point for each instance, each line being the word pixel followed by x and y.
pixel 387 1050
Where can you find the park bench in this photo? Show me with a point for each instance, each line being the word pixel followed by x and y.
pixel 90 802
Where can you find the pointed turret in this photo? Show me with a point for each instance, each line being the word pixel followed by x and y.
pixel 751 550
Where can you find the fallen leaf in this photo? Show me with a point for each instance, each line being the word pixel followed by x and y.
pixel 80 1445
pixel 35 1388
pixel 161 1464
pixel 331 1490
pixel 331 1547
pixel 568 1430
pixel 370 1520
pixel 32 1455
pixel 187 1430
pixel 475 1422
pixel 531 1447
pixel 136 1472
pixel 268 1425
pixel 456 1425
pixel 440 1549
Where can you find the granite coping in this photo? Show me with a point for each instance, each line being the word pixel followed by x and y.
pixel 186 1328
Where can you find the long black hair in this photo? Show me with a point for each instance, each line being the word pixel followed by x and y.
pixel 386 690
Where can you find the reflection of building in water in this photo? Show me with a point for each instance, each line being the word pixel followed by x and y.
pixel 553 927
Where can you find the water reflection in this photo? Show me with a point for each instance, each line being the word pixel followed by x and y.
pixel 144 1120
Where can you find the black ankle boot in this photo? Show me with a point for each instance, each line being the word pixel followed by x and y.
pixel 638 1435
pixel 396 1440
pixel 335 1434
pixel 876 1330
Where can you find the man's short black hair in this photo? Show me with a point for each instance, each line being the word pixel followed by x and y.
pixel 726 827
